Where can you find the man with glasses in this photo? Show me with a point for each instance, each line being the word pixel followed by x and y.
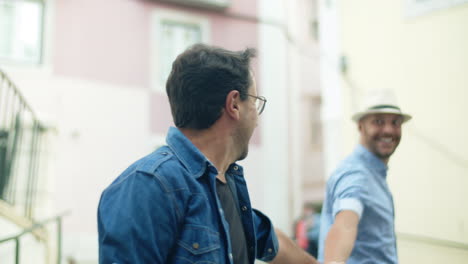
pixel 188 201
pixel 260 103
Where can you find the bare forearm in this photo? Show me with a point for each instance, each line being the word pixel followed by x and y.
pixel 339 243
pixel 290 253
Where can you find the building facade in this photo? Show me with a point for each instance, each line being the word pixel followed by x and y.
pixel 417 49
pixel 94 72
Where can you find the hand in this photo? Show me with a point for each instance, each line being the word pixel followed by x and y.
pixel 290 253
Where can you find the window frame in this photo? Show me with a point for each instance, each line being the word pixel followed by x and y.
pixel 41 38
pixel 157 19
pixel 45 66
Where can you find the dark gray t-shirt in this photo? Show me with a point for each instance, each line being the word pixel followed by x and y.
pixel 236 230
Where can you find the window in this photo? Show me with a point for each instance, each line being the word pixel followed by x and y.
pixel 172 34
pixel 212 4
pixel 21 28
pixel 421 7
pixel 175 38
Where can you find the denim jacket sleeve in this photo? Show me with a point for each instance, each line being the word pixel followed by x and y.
pixel 267 242
pixel 134 225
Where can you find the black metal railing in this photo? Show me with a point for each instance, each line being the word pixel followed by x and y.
pixel 33 228
pixel 20 140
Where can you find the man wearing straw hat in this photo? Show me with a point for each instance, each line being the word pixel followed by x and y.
pixel 357 223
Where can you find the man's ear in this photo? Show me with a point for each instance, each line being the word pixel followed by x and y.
pixel 360 124
pixel 232 104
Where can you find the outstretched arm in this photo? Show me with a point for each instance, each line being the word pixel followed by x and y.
pixel 341 237
pixel 290 253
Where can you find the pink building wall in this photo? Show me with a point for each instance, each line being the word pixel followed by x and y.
pixel 109 41
pixel 105 40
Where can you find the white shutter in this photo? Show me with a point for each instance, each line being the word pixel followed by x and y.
pixel 175 38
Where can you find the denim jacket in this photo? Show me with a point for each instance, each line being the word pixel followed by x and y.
pixel 164 209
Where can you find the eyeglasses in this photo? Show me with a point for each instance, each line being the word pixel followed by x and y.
pixel 260 103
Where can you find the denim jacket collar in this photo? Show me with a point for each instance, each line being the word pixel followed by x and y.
pixel 192 158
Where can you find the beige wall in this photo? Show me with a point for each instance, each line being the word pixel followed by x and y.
pixel 424 59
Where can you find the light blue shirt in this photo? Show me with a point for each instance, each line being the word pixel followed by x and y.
pixel 359 184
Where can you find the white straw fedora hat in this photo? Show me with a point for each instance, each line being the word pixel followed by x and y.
pixel 380 102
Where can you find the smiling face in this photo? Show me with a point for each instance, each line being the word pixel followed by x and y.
pixel 381 134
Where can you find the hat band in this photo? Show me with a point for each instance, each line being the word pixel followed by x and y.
pixel 384 106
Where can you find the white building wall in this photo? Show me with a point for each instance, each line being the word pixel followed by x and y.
pixel 274 62
pixel 90 123
pixel 286 46
pixel 330 82
pixel 423 59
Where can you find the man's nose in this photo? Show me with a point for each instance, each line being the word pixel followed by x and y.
pixel 389 127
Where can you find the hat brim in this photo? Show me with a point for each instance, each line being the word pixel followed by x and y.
pixel 359 115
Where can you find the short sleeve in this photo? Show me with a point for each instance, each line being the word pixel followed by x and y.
pixel 267 242
pixel 351 204
pixel 350 193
